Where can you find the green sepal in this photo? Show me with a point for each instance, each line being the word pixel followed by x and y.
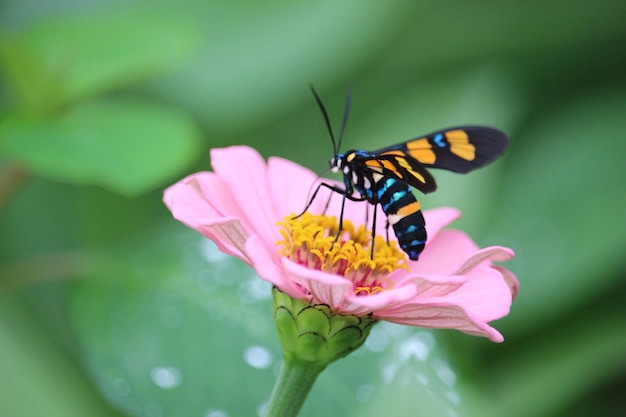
pixel 313 333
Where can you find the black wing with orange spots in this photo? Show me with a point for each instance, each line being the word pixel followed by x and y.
pixel 458 149
pixel 396 163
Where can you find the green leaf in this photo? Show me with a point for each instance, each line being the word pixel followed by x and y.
pixel 260 58
pixel 39 378
pixel 173 327
pixel 68 58
pixel 549 373
pixel 128 146
pixel 416 375
pixel 563 206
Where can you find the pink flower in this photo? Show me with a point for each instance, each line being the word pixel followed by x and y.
pixel 453 285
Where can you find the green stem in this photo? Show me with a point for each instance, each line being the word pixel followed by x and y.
pixel 291 388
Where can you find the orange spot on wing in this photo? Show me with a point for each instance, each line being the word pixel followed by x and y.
pixel 460 145
pixel 397 153
pixel 389 165
pixel 374 165
pixel 404 164
pixel 421 143
pixel 425 156
pixel 421 150
pixel 419 176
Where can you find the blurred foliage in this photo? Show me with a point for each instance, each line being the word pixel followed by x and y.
pixel 109 307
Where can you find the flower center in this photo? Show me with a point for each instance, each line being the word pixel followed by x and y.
pixel 312 241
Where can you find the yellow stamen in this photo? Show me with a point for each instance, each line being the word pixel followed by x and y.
pixel 311 240
pixel 367 290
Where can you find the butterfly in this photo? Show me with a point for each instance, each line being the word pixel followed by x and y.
pixel 387 176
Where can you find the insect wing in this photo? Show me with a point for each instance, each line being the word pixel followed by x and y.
pixel 460 149
pixel 394 163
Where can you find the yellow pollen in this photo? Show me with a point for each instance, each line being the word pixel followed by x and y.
pixel 311 240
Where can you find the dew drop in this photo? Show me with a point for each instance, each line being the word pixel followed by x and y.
pixel 414 347
pixel 452 413
pixel 422 379
pixel 210 252
pixel 121 387
pixel 444 372
pixel 258 357
pixel 260 410
pixel 166 377
pixel 364 393
pixel 216 413
pixel 454 397
pixel 389 372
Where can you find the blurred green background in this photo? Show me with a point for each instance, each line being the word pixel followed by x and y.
pixel 108 307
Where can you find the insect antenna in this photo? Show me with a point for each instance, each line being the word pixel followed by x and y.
pixel 326 119
pixel 346 112
pixel 336 146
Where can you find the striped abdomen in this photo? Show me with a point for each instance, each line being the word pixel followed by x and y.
pixel 403 213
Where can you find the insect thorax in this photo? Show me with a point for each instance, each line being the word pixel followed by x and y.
pixel 355 175
pixel 364 180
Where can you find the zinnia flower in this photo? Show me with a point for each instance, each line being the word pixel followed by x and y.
pixel 247 207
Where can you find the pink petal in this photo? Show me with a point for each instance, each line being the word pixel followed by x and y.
pixel 434 285
pixel 202 197
pixel 267 265
pixel 437 219
pixel 492 253
pixel 444 254
pixel 509 278
pixel 187 203
pixel 325 288
pixel 219 219
pixel 291 186
pixel 485 297
pixel 438 316
pixel 228 235
pixel 215 193
pixel 243 170
pixel 361 305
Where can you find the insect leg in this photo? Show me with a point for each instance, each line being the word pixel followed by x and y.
pixel 332 188
pixel 345 196
pixel 387 230
pixel 327 203
pixel 373 230
pixel 343 203
pixel 312 199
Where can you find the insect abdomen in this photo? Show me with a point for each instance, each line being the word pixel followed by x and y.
pixel 404 214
